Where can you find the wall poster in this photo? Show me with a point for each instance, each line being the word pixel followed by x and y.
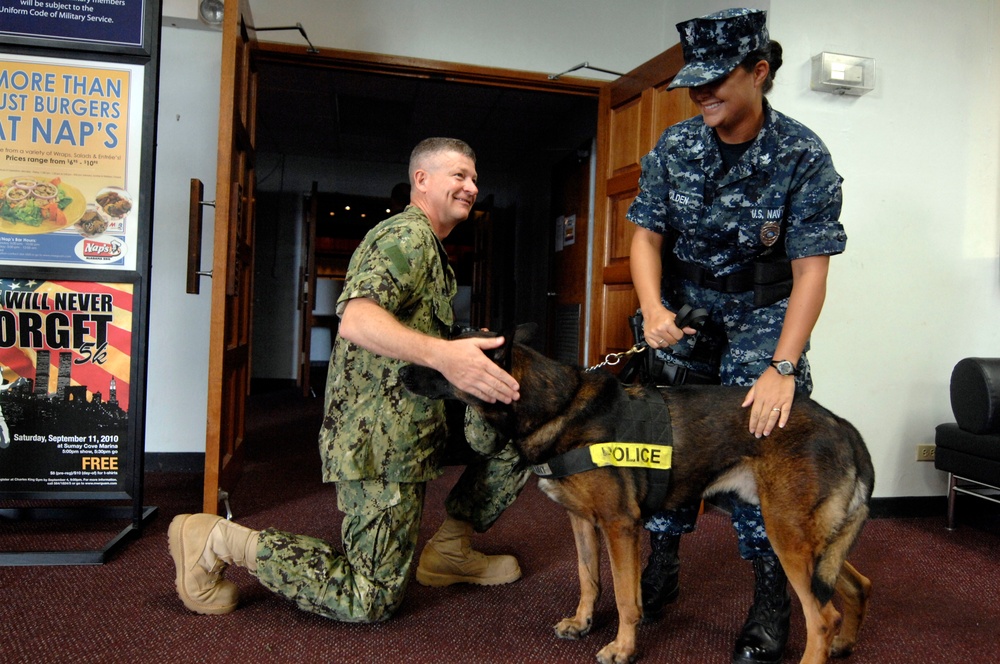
pixel 65 356
pixel 78 88
pixel 70 137
pixel 84 24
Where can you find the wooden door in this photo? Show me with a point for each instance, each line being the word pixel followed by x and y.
pixel 632 113
pixel 232 265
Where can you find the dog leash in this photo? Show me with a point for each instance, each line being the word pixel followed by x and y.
pixel 611 359
pixel 687 316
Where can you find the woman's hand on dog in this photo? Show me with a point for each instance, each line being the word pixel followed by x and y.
pixel 770 402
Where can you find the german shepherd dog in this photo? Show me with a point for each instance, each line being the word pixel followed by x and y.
pixel 813 480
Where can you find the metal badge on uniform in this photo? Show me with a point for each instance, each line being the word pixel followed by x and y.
pixel 770 232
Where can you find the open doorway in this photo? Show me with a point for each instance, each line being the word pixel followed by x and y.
pixel 351 132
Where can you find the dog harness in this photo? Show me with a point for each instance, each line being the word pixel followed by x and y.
pixel 646 437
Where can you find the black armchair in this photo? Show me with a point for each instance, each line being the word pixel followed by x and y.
pixel 969 450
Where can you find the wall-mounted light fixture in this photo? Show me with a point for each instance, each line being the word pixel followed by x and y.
pixel 210 12
pixel 842 74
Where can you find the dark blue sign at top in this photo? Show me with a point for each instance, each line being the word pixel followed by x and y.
pixel 90 22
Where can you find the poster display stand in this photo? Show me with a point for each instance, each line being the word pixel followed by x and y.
pixel 78 83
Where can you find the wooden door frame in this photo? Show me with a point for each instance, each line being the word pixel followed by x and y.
pixel 232 260
pixel 388 65
pixel 607 93
pixel 223 466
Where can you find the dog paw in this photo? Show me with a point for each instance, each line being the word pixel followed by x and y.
pixel 571 628
pixel 613 654
pixel 841 647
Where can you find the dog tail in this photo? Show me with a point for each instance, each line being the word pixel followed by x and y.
pixel 850 504
pixel 831 560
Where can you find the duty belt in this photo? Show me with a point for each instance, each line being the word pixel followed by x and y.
pixel 737 282
pixel 770 279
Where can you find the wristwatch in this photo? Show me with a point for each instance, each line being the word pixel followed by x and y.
pixel 784 367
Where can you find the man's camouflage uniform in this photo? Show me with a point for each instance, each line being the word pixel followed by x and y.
pixel 380 444
pixel 785 176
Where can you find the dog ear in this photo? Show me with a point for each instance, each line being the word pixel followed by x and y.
pixel 505 353
pixel 520 334
pixel 525 333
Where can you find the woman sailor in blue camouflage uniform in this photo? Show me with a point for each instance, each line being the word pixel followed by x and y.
pixel 737 214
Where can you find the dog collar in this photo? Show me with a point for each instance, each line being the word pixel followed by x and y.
pixel 600 455
pixel 645 420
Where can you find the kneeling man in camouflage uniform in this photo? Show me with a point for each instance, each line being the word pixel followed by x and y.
pixel 379 443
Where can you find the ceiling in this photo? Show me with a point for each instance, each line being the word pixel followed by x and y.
pixel 329 113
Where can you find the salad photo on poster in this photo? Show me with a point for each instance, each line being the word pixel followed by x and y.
pixel 70 137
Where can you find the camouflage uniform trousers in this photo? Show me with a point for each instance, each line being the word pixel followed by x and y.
pixel 367 582
pixel 743 338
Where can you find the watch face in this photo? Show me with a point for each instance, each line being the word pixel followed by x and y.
pixel 785 368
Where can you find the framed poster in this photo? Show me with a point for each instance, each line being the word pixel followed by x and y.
pixel 105 25
pixel 70 152
pixel 78 85
pixel 66 360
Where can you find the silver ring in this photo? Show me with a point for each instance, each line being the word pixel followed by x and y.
pixel 777 409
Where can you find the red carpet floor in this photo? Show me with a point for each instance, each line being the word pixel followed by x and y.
pixel 936 593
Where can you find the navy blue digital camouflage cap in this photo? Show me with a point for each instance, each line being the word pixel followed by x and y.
pixel 713 45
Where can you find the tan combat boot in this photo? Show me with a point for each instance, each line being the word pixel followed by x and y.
pixel 448 558
pixel 202 545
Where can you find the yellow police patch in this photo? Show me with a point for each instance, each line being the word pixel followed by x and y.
pixel 631 455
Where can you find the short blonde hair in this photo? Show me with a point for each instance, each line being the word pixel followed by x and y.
pixel 432 146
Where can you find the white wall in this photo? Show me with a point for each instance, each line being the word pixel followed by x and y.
pixel 186 147
pixel 919 286
pixel 549 36
pixel 515 34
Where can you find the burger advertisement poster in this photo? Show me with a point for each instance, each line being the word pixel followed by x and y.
pixel 69 180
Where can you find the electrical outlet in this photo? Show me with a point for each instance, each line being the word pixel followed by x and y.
pixel 925 452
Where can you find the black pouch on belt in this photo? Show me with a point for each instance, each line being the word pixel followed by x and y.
pixel 772 280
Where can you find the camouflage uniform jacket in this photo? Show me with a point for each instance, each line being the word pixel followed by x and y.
pixel 786 176
pixel 374 428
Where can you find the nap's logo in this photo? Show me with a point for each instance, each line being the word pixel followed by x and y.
pixel 100 251
pixel 94 249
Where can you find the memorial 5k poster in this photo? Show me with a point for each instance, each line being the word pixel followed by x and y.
pixel 70 137
pixel 65 356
